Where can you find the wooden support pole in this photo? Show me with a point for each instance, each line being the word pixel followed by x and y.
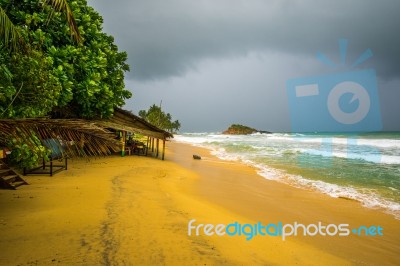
pixel 163 150
pixel 123 143
pixel 152 144
pixel 147 144
pixel 51 167
pixel 158 142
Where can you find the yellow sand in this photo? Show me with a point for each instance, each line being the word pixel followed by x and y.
pixel 135 211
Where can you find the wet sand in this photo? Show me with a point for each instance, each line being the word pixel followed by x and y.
pixel 135 211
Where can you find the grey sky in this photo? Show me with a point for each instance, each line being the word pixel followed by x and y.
pixel 219 62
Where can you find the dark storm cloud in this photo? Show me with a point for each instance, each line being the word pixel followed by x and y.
pixel 168 38
pixel 229 60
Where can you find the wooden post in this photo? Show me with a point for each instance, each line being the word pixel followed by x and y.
pixel 147 144
pixel 158 142
pixel 163 150
pixel 123 143
pixel 51 167
pixel 152 144
pixel 82 144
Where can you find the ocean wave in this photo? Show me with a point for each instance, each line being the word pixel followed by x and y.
pixel 349 141
pixel 197 139
pixel 374 158
pixel 352 149
pixel 262 149
pixel 367 198
pixel 380 143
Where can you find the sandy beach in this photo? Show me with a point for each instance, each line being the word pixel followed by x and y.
pixel 135 210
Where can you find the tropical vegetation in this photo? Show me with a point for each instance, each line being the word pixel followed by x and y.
pixel 156 116
pixel 51 70
pixel 55 59
pixel 237 129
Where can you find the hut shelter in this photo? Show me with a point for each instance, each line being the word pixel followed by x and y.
pixel 126 121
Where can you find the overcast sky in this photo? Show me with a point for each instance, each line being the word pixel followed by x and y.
pixel 218 62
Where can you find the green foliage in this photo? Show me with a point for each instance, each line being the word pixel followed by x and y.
pixel 241 127
pixel 27 150
pixel 8 32
pixel 83 74
pixel 87 78
pixel 237 129
pixel 160 119
pixel 62 6
pixel 29 86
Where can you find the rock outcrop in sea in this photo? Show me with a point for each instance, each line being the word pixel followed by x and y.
pixel 237 129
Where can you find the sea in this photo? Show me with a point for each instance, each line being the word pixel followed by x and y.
pixel 362 167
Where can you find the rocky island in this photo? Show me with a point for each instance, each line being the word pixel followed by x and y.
pixel 237 129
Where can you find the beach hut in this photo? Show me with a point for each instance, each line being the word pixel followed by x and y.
pixel 71 137
pixel 65 138
pixel 126 121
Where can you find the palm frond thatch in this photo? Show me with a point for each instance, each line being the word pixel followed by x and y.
pixel 77 137
pixel 62 6
pixel 136 123
pixel 8 32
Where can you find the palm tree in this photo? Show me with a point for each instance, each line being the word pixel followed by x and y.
pixel 8 32
pixel 62 6
pixel 97 140
pixel 10 36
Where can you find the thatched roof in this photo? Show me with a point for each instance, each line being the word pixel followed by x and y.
pixel 72 134
pixel 78 137
pixel 127 121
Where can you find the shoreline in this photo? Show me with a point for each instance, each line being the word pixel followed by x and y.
pixel 294 204
pixel 374 198
pixel 135 210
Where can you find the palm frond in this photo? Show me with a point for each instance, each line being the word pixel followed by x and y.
pixel 79 138
pixel 62 6
pixel 8 32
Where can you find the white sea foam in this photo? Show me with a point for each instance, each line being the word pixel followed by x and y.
pixel 367 198
pixel 373 157
pixel 197 139
pixel 379 143
pixel 277 144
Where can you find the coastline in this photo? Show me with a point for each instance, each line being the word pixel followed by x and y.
pixel 135 210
